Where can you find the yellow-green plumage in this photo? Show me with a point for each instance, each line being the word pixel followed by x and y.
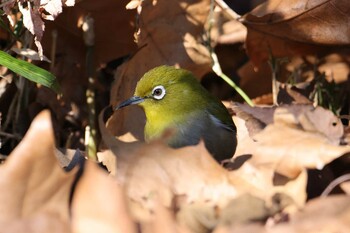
pixel 173 98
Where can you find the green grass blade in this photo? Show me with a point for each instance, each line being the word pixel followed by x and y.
pixel 30 71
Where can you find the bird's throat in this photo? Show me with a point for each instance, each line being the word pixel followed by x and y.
pixel 157 124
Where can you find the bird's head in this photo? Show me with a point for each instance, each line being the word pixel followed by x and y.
pixel 165 89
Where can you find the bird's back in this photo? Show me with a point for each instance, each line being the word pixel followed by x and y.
pixel 219 138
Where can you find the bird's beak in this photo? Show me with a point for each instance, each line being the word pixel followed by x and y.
pixel 132 100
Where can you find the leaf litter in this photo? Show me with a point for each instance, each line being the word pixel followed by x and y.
pixel 193 192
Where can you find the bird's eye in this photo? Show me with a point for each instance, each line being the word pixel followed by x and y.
pixel 158 92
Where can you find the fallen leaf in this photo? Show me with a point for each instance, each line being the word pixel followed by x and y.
pixel 291 94
pixel 158 171
pixel 331 214
pixel 336 68
pixel 35 196
pixel 243 209
pixel 247 228
pixel 279 154
pixel 155 171
pixel 255 118
pixel 303 149
pixel 133 4
pixel 53 7
pixel 99 204
pixel 163 221
pixel 311 119
pixel 232 32
pixel 108 159
pixel 313 22
pixel 109 44
pixel 323 121
pixel 198 217
pixel 30 54
pixel 254 82
pixel 33 17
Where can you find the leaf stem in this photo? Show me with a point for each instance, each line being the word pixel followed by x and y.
pixel 217 69
pixel 90 130
pixel 215 61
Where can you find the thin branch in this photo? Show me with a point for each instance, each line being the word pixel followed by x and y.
pixel 227 10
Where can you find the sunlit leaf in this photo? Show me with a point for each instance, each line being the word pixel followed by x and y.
pixel 29 71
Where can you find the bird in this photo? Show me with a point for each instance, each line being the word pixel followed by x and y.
pixel 173 99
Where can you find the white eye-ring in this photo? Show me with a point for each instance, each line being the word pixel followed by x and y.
pixel 158 92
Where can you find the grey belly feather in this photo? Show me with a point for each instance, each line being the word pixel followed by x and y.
pixel 220 140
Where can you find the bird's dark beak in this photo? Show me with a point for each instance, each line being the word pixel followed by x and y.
pixel 132 100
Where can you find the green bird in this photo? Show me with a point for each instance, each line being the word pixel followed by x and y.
pixel 174 99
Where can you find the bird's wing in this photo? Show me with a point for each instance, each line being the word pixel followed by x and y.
pixel 219 123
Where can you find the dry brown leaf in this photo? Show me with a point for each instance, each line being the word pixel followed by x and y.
pixel 323 121
pixel 232 32
pixel 292 94
pixel 296 150
pixel 336 68
pixel 108 159
pixel 256 118
pixel 255 83
pixel 133 4
pixel 282 148
pixel 189 177
pixel 158 171
pixel 99 204
pixel 198 217
pixel 312 119
pixel 331 214
pixel 111 42
pixel 244 209
pixel 33 16
pixel 154 171
pixel 36 190
pixel 52 7
pixel 258 178
pixel 115 145
pixel 163 221
pixel 247 228
pixel 284 28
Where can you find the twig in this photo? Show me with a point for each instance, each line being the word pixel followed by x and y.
pixel 227 10
pixel 90 131
pixel 9 135
pixel 217 69
pixel 53 49
pixel 216 65
pixel 274 70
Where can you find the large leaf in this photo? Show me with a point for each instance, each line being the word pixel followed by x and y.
pixel 296 27
pixel 29 71
pixel 35 190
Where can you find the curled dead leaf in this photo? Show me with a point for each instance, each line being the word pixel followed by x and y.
pixel 158 171
pixel 311 119
pixel 35 196
pixel 133 4
pixel 285 28
pixel 330 214
pixel 297 149
pixel 99 204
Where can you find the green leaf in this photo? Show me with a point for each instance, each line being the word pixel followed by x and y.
pixel 30 71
